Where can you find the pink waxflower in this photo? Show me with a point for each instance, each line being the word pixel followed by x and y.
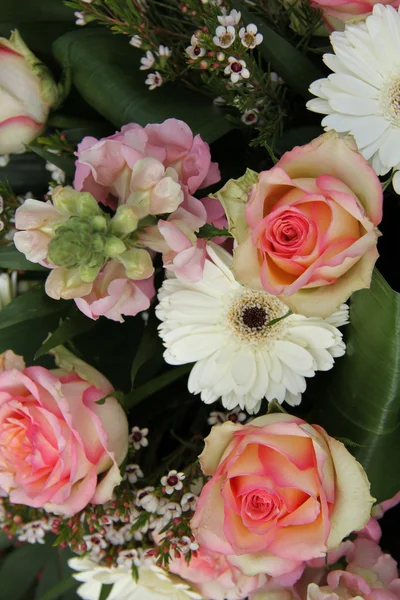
pixel 150 168
pixel 282 492
pixel 338 12
pixel 59 448
pixel 115 295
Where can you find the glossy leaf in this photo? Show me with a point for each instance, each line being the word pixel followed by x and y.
pixel 360 399
pixel 74 324
pixel 105 70
pixel 20 570
pixel 295 68
pixel 28 11
pixel 11 258
pixel 31 305
pixel 26 172
pixel 66 163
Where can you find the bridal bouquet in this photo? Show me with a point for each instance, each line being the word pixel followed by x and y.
pixel 199 358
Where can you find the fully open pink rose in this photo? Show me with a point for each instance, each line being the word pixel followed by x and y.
pixel 282 492
pixel 149 167
pixel 59 449
pixel 312 227
pixel 338 12
pixel 214 577
pixel 114 294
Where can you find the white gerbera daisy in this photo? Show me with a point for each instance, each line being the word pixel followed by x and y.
pixel 362 96
pixel 244 346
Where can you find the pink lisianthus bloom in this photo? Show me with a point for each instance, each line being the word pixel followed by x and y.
pixel 115 295
pixel 312 227
pixel 149 167
pixel 214 578
pixel 59 448
pixel 282 492
pixel 370 574
pixel 338 12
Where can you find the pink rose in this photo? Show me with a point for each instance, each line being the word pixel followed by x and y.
pixel 312 227
pixel 59 449
pixel 214 577
pixel 338 12
pixel 140 166
pixel 282 492
pixel 114 294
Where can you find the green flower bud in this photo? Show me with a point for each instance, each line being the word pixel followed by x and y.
pixel 99 223
pixel 69 201
pixel 114 247
pixel 137 263
pixel 75 244
pixel 89 274
pixel 125 220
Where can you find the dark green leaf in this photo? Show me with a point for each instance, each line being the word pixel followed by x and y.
pixel 294 67
pixel 105 591
pixel 26 172
pixel 57 591
pixel 66 163
pixel 25 338
pixel 149 349
pixel 151 387
pixel 28 11
pixel 298 136
pixel 31 305
pixel 20 569
pixel 11 258
pixel 360 400
pixel 209 232
pixel 74 324
pixel 4 541
pixel 106 72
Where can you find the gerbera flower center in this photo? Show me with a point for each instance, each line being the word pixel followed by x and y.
pixel 250 314
pixel 391 101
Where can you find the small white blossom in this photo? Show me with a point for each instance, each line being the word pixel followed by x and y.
pixel 188 502
pixel 186 544
pixel 8 287
pixel 95 544
pixel 195 50
pixel 57 174
pixel 219 101
pixel 250 116
pixel 154 80
pixel 127 558
pixel 170 511
pixel 172 481
pixel 224 36
pixel 147 61
pixel 118 537
pixel 274 77
pixel 232 19
pixel 236 69
pixel 249 36
pixel 146 500
pixel 133 473
pixel 4 160
pixel 164 51
pixel 87 1
pixel 80 18
pixel 138 437
pixel 136 41
pixel 33 533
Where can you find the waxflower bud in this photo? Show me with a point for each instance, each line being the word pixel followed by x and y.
pixel 27 93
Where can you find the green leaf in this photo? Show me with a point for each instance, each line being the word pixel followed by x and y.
pixel 360 400
pixel 151 387
pixel 74 324
pixel 20 570
pixel 105 70
pixel 4 541
pixel 294 67
pixel 31 305
pixel 11 258
pixel 298 136
pixel 105 591
pixel 32 11
pixel 26 172
pixel 66 163
pixel 150 348
pixel 58 590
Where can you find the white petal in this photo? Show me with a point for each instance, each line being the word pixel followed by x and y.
pixel 295 357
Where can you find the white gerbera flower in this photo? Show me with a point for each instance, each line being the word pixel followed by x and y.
pixel 241 354
pixel 153 582
pixel 362 96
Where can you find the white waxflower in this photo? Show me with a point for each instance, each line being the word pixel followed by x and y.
pixel 195 50
pixel 219 101
pixel 33 533
pixel 185 544
pixel 154 80
pixel 362 96
pixel 133 473
pixel 80 18
pixel 57 174
pixel 8 288
pixel 127 558
pixel 236 69
pixel 153 582
pixel 235 415
pixel 188 501
pixel 95 544
pixel 146 500
pixel 4 160
pixel 274 77
pixel 250 116
pixel 147 61
pixel 250 36
pixel 138 437
pixel 232 19
pixel 118 537
pixel 239 355
pixel 172 481
pixel 169 511
pixel 136 41
pixel 164 51
pixel 224 36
